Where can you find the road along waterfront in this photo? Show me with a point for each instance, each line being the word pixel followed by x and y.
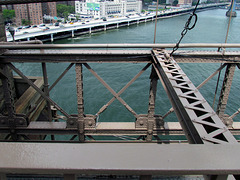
pixel 80 28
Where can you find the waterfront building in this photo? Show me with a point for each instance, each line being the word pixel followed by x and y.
pixel 34 12
pixel 184 3
pixel 50 9
pixel 30 12
pixel 99 9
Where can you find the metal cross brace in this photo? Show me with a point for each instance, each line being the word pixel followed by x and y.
pixel 116 95
pixel 122 90
pixel 37 89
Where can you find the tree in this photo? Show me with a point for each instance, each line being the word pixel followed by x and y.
pixel 8 15
pixel 26 22
pixel 175 2
pixel 64 10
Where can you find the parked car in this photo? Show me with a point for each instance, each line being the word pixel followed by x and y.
pixel 41 25
pixel 44 28
pixel 34 26
pixel 26 27
pixel 57 24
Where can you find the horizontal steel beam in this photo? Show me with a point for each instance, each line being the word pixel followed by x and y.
pixel 104 129
pixel 54 46
pixel 128 56
pixel 119 159
pixel 77 56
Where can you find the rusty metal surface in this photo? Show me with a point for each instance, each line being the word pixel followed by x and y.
pixel 111 55
pixel 77 56
pixel 225 91
pixel 123 158
pixel 215 46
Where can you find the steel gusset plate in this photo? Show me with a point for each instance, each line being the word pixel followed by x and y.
pixel 199 121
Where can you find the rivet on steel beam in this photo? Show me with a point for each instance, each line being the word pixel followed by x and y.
pixel 21 122
pixel 71 122
pixel 141 123
pixel 12 131
pixel 90 123
pixel 2 121
pixel 150 132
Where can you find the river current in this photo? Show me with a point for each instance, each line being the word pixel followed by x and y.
pixel 211 27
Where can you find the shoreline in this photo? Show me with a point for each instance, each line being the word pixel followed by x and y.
pixel 78 28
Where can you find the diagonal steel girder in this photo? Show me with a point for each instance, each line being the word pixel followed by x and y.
pixel 37 89
pixel 198 120
pixel 102 109
pixel 116 95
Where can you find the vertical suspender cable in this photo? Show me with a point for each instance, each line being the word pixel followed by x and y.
pixel 229 22
pixel 155 30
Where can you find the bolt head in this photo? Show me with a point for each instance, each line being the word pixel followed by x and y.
pixel 71 122
pixel 21 122
pixel 141 123
pixel 2 121
pixel 90 123
pixel 150 132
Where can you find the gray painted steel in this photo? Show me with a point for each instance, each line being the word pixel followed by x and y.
pixel 137 159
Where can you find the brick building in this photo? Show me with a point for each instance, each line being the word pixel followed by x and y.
pixel 34 12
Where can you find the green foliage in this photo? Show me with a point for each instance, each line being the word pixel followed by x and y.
pixel 8 14
pixel 64 10
pixel 175 2
pixel 26 22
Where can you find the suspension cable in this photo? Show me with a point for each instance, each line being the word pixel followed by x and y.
pixel 229 22
pixel 187 27
pixel 155 30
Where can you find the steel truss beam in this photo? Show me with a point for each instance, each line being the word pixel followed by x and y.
pixel 37 89
pixel 225 91
pixel 135 56
pixel 200 123
pixel 122 90
pixel 111 91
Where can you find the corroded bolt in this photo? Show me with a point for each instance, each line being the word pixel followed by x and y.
pixel 21 122
pixel 12 131
pixel 71 122
pixel 150 132
pixel 90 123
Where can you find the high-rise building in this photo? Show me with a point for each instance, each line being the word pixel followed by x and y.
pixel 49 9
pixel 185 3
pixel 99 8
pixel 34 12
